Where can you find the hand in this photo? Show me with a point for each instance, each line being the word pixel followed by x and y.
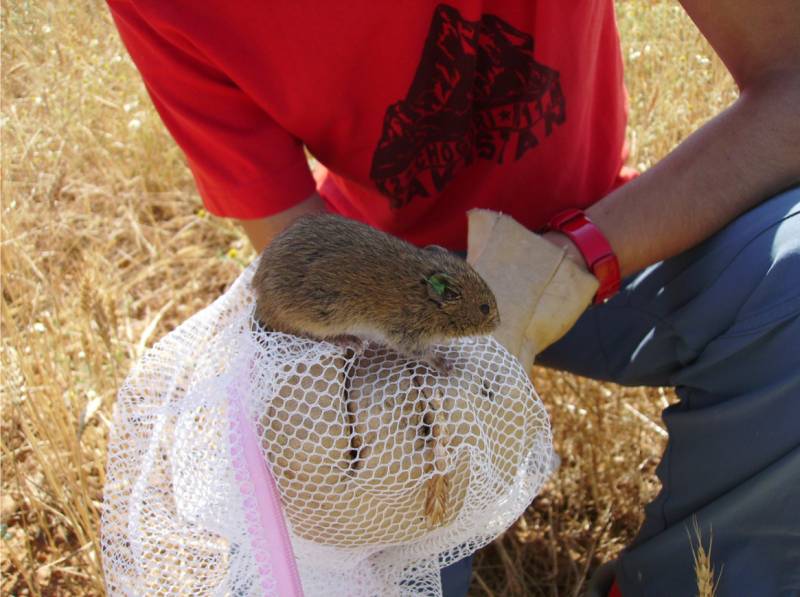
pixel 540 290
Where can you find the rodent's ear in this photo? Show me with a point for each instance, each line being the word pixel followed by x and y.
pixel 436 248
pixel 441 288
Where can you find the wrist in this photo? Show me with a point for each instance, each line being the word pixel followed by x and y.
pixel 594 248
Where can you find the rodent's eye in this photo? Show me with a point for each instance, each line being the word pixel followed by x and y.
pixel 485 309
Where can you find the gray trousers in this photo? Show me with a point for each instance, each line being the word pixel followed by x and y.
pixel 720 323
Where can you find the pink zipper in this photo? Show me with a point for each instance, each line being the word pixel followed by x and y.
pixel 270 538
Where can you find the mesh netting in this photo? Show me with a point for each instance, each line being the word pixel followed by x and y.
pixel 387 470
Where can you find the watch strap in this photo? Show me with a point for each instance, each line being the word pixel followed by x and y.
pixel 594 247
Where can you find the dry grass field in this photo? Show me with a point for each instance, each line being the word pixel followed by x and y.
pixel 105 248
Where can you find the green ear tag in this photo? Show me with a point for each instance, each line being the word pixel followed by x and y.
pixel 438 282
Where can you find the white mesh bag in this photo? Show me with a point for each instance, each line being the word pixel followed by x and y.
pixel 245 462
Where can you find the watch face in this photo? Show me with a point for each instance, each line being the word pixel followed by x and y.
pixel 606 270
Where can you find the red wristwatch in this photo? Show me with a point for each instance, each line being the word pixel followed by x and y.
pixel 596 251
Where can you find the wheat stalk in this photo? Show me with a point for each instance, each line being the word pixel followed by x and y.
pixel 703 567
pixel 437 487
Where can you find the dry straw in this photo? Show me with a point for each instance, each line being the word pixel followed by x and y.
pixel 94 189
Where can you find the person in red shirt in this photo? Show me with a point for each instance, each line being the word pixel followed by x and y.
pixel 420 112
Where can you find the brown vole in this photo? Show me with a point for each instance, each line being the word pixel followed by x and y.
pixel 330 277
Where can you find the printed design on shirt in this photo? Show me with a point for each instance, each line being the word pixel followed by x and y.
pixel 477 93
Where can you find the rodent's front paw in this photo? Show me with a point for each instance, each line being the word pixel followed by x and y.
pixel 349 342
pixel 442 365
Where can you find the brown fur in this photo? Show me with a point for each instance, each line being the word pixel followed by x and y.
pixel 327 276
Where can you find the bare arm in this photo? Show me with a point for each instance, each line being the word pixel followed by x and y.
pixel 746 154
pixel 262 231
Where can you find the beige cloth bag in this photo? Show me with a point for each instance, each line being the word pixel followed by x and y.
pixel 540 291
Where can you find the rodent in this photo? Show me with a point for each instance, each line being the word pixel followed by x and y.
pixel 330 277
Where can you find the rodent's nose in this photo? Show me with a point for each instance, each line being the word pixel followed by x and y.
pixel 485 309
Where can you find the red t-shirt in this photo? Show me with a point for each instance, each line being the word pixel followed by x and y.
pixel 419 111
